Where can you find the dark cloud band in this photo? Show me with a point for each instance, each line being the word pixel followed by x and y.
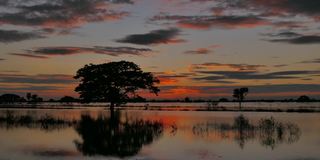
pixel 45 52
pixel 9 36
pixel 59 13
pixel 163 36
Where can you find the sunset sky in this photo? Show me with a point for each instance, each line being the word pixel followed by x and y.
pixel 197 48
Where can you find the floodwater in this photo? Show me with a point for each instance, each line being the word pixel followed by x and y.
pixel 94 133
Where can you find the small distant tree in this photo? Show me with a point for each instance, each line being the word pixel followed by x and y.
pixel 113 82
pixel 51 100
pixel 28 96
pixel 187 99
pixel 34 98
pixel 223 100
pixel 303 98
pixel 67 99
pixel 240 94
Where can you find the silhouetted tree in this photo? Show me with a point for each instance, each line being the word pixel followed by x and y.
pixel 187 99
pixel 11 98
pixel 303 98
pixel 35 98
pixel 28 97
pixel 51 100
pixel 68 99
pixel 137 99
pixel 114 82
pixel 223 100
pixel 240 94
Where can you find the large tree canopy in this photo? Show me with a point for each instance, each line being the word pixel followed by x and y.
pixel 114 82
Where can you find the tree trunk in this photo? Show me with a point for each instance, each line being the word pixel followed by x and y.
pixel 111 109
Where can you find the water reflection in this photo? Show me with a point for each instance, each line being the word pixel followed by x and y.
pixel 121 135
pixel 269 132
pixel 109 136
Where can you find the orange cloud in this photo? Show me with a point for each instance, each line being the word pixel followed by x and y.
pixel 199 51
pixel 167 81
pixel 180 92
pixel 222 66
pixel 250 23
pixel 213 21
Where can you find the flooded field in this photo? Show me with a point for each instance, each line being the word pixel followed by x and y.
pixel 94 133
pixel 182 106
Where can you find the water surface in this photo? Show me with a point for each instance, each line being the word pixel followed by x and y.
pixel 157 135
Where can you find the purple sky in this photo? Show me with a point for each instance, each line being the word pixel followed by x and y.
pixel 198 48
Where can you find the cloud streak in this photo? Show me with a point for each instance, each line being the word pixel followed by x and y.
pixel 237 67
pixel 254 75
pixel 28 88
pixel 293 38
pixel 28 55
pixel 199 51
pixel 306 39
pixel 162 36
pixel 46 52
pixel 212 21
pixel 228 14
pixel 317 60
pixel 37 79
pixel 47 85
pixel 9 36
pixel 233 73
pixel 278 7
pixel 276 91
pixel 271 8
pixel 170 78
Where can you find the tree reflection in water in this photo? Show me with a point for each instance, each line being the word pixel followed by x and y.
pixel 273 132
pixel 269 132
pixel 109 136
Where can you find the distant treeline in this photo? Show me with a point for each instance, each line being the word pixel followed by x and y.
pixel 35 99
pixel 302 98
pixel 32 99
